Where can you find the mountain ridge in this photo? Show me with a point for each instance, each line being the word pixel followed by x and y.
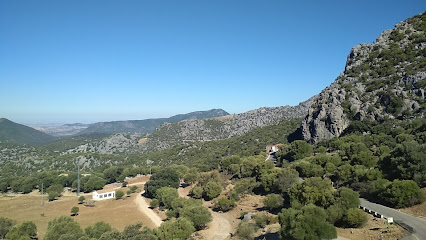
pixel 145 126
pixel 21 134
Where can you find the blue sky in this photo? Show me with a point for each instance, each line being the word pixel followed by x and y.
pixel 99 60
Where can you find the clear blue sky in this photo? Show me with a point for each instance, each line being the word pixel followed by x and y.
pixel 99 60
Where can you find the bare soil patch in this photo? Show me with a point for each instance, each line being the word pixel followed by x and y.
pixel 375 228
pixel 118 213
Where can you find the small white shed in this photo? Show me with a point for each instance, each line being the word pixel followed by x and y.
pixel 103 194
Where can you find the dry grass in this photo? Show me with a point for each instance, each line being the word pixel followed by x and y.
pixel 417 210
pixel 118 213
pixel 375 228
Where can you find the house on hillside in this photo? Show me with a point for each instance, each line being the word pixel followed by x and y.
pixel 271 150
pixel 103 194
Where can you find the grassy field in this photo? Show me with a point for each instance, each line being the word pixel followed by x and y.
pixel 118 213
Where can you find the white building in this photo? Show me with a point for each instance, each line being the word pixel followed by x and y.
pixel 103 194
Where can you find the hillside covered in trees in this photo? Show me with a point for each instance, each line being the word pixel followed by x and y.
pixel 364 136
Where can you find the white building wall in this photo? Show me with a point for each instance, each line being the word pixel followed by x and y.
pixel 103 196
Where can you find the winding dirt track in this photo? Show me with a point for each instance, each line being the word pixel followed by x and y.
pixel 144 208
pixel 218 229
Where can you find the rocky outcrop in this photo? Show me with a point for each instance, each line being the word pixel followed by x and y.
pixel 383 79
pixel 117 143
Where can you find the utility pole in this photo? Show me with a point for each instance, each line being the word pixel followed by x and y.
pixel 78 179
pixel 149 162
pixel 42 202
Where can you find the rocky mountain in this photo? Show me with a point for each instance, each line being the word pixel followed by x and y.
pixel 386 79
pixel 20 134
pixel 172 134
pixel 192 130
pixel 142 127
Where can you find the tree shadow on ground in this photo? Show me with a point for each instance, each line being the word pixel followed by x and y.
pixel 269 236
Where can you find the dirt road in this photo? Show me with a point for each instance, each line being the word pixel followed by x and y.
pixel 144 208
pixel 218 229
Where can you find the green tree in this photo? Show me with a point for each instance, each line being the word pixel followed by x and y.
pixel 191 176
pixel 133 188
pixel 197 192
pixel 154 203
pixel 166 195
pixel 179 229
pixel 261 220
pixel 223 204
pixel 403 193
pixel 118 194
pixel 347 198
pixel 273 201
pixel 75 210
pixel 246 230
pixel 199 215
pixel 96 230
pixel 81 199
pixel 111 235
pixel 5 225
pixel 166 177
pixel 309 223
pixel 313 190
pixel 211 190
pixel 52 195
pixel 25 229
pixel 112 173
pixel 63 225
pixel 93 182
pixel 355 218
pixel 298 149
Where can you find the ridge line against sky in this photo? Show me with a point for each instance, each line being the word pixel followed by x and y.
pixel 91 61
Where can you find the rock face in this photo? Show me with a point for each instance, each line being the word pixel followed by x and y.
pixel 383 79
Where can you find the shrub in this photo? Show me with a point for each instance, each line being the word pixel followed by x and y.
pixel 199 215
pixel 75 210
pixel 403 193
pixel 154 203
pixel 63 225
pixel 212 190
pixel 5 225
pixel 180 228
pixel 81 199
pixel 166 195
pixel 246 230
pixel 52 195
pixel 354 218
pixel 197 192
pixel 133 188
pixel 223 204
pixel 307 223
pixel 25 230
pixel 273 201
pixel 261 220
pixel 96 230
pixel 119 194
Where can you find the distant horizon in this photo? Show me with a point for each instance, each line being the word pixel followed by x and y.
pixel 99 61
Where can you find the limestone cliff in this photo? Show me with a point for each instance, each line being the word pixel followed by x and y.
pixel 383 79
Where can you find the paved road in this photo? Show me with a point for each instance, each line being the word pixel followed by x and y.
pixel 418 224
